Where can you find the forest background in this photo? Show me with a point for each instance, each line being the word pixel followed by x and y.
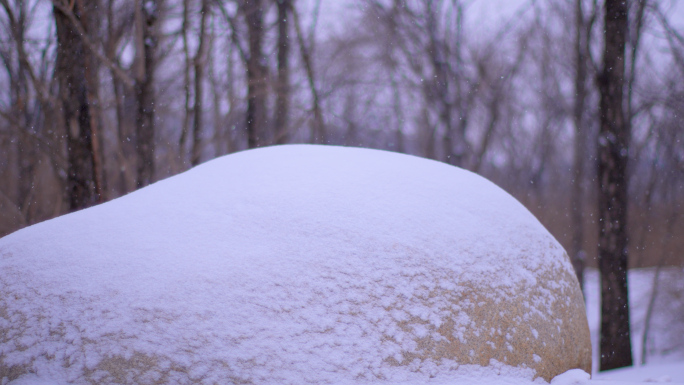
pixel 510 95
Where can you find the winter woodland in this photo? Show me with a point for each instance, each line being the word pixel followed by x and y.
pixel 573 107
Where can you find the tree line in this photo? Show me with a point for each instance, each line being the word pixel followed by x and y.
pixel 574 107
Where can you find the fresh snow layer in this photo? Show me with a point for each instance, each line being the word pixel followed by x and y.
pixel 472 374
pixel 289 264
pixel 666 336
pixel 669 373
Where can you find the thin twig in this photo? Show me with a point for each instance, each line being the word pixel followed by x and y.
pixel 233 31
pixel 121 74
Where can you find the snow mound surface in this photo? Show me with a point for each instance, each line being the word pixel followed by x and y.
pixel 292 265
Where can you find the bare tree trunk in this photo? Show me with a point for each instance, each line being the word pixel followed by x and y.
pixel 93 95
pixel 430 134
pixel 497 101
pixel 613 150
pixel 318 132
pixel 186 81
pixel 19 99
pixel 465 93
pixel 634 48
pixel 398 111
pixel 232 101
pixel 123 149
pixel 283 87
pixel 493 107
pixel 71 72
pixel 349 115
pixel 577 253
pixel 256 74
pixel 26 154
pixel 438 87
pixel 218 139
pixel 199 62
pixel 146 46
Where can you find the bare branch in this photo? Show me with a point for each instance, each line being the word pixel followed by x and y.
pixel 68 12
pixel 673 37
pixel 43 92
pixel 318 133
pixel 233 31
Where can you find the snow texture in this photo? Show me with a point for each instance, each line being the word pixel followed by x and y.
pixel 666 337
pixel 283 265
pixel 672 373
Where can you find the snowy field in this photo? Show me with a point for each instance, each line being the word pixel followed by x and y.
pixel 665 346
pixel 293 287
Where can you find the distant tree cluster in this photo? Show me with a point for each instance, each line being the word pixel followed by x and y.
pixel 575 107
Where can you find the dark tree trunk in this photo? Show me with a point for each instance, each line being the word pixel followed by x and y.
pixel 186 81
pixel 256 92
pixel 283 88
pixel 146 14
pixel 26 149
pixel 216 93
pixel 199 89
pixel 613 150
pixel 70 69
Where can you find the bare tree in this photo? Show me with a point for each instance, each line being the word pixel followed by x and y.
pixel 186 79
pixel 256 73
pixel 71 70
pixel 283 85
pixel 92 76
pixel 232 137
pixel 20 104
pixel 33 157
pixel 119 20
pixel 219 137
pixel 583 32
pixel 146 42
pixel 199 64
pixel 668 139
pixel 429 49
pixel 613 151
pixel 318 131
pixel 437 87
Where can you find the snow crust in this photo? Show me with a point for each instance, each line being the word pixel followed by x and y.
pixel 289 264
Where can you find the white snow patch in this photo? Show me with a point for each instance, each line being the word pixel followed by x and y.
pixel 572 377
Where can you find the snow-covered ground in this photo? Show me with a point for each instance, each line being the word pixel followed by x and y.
pixel 665 343
pixel 279 276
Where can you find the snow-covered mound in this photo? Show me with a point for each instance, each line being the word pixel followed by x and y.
pixel 292 265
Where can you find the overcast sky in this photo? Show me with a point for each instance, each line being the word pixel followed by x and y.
pixel 480 14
